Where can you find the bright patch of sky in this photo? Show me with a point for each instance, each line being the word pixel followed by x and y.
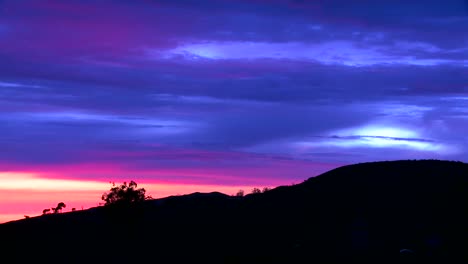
pixel 380 131
pixel 34 181
pixel 377 142
pixel 399 110
pixel 454 98
pixel 17 85
pixel 205 100
pixel 336 52
pixel 379 136
pixel 382 136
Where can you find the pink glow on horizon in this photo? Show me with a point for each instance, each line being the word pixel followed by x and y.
pixel 28 193
pixel 31 200
pixel 193 167
pixel 27 189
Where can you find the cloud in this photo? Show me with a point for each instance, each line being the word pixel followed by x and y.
pixel 384 136
pixel 332 52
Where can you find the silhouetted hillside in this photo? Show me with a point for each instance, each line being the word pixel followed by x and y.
pixel 363 212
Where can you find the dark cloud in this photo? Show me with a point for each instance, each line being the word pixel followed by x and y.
pixel 108 89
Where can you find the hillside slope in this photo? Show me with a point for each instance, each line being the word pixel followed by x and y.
pixel 362 212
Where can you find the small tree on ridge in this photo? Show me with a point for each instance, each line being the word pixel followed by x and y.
pixel 256 191
pixel 59 207
pixel 125 194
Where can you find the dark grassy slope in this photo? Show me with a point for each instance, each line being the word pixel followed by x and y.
pixel 360 212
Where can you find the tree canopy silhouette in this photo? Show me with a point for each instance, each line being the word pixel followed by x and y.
pixel 59 207
pixel 256 191
pixel 125 194
pixel 240 193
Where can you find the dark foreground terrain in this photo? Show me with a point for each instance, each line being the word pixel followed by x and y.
pixel 366 212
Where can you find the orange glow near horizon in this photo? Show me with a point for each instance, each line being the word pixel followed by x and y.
pixel 25 193
pixel 35 181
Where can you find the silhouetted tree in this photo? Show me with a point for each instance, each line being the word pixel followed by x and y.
pixel 240 193
pixel 45 211
pixel 256 191
pixel 266 189
pixel 59 207
pixel 125 194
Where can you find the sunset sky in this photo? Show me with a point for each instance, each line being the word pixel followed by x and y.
pixel 221 95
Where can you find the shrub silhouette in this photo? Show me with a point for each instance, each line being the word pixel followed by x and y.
pixel 125 194
pixel 59 207
pixel 256 191
pixel 46 211
pixel 240 193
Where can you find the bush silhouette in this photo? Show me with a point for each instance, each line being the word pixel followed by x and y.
pixel 59 207
pixel 124 194
pixel 256 191
pixel 240 193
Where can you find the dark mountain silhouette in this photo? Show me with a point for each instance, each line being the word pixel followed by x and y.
pixel 380 212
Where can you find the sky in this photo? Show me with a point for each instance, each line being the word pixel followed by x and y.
pixel 192 95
